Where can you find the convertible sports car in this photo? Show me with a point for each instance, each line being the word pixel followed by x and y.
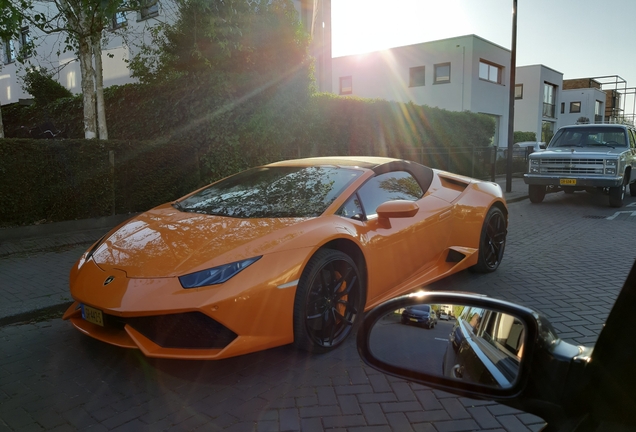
pixel 293 251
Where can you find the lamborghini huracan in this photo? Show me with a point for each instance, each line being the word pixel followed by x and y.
pixel 290 252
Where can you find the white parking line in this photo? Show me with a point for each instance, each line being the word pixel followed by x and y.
pixel 615 215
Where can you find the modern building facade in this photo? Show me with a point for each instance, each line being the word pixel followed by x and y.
pixel 585 105
pixel 465 73
pixel 611 93
pixel 538 91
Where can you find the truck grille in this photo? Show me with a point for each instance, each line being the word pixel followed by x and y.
pixel 572 166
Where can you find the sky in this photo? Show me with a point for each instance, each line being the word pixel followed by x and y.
pixel 580 38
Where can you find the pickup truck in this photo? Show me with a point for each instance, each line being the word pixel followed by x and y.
pixel 588 157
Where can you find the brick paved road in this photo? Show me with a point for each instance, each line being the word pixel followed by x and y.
pixel 566 257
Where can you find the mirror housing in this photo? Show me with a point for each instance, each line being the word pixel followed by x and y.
pixel 397 209
pixel 526 316
pixel 552 377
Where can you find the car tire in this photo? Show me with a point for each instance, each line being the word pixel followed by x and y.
pixel 617 196
pixel 536 193
pixel 492 242
pixel 329 301
pixel 632 189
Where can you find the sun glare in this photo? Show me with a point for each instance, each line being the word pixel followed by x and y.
pixel 360 26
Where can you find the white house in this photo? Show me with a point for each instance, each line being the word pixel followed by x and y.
pixel 588 103
pixel 465 73
pixel 49 52
pixel 538 92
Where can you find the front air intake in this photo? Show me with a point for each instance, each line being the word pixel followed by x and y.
pixel 193 330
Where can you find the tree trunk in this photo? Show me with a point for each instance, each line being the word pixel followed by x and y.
pixel 99 87
pixel 88 86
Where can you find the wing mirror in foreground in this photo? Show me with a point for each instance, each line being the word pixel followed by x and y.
pixel 481 348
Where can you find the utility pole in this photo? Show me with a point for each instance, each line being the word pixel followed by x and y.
pixel 511 110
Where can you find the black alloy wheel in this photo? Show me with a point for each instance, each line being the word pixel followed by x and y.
pixel 329 300
pixel 492 242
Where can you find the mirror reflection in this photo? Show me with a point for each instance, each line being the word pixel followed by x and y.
pixel 474 345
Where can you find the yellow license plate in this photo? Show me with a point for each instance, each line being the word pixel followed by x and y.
pixel 567 182
pixel 93 315
pixel 413 319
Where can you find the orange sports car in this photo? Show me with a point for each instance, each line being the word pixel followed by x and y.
pixel 291 252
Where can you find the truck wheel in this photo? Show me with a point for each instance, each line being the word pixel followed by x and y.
pixel 632 189
pixel 537 193
pixel 616 196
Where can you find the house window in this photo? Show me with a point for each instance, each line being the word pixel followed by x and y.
pixel 598 112
pixel 119 20
pixel 416 76
pixel 9 51
pixel 518 91
pixel 442 73
pixel 490 72
pixel 562 107
pixel 25 42
pixel 549 100
pixel 575 107
pixel 150 10
pixel 346 85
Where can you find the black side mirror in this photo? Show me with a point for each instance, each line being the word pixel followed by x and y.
pixel 485 352
pixel 493 350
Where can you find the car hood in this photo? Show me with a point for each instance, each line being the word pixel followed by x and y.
pixel 165 242
pixel 579 151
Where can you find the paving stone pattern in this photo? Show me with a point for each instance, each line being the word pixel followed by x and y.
pixel 559 261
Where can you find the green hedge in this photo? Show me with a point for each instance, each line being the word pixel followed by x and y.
pixel 42 180
pixel 170 139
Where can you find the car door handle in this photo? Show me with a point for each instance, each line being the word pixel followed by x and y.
pixel 444 215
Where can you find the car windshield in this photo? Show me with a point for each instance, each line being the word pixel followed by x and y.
pixel 273 192
pixel 589 137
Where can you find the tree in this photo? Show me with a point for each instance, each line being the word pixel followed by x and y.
pixel 81 22
pixel 238 72
pixel 239 42
pixel 10 24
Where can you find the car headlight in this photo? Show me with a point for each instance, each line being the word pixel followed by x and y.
pixel 534 162
pixel 610 163
pixel 216 275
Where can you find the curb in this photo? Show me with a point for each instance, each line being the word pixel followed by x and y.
pixel 33 314
pixel 33 231
pixel 517 199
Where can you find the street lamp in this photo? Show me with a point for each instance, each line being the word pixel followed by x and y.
pixel 511 107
